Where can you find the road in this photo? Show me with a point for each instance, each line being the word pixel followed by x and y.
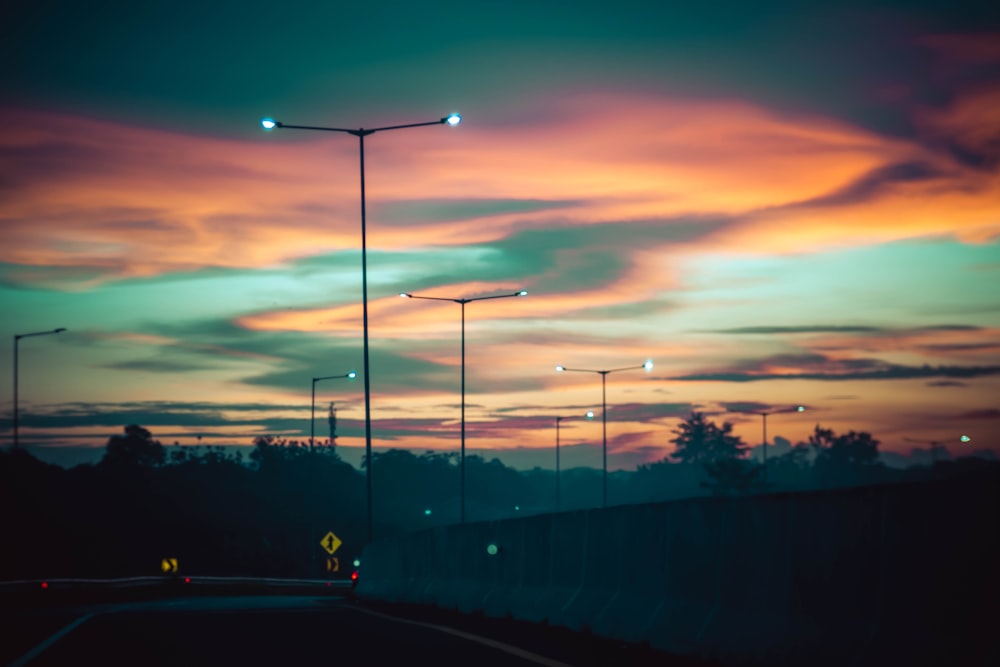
pixel 287 630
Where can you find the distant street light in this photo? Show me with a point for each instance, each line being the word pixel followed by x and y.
pixel 764 414
pixel 407 295
pixel 588 415
pixel 648 366
pixel 17 340
pixel 450 120
pixel 934 444
pixel 350 375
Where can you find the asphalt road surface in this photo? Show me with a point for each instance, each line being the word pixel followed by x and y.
pixel 292 630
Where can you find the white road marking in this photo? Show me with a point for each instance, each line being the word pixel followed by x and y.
pixel 38 650
pixel 485 641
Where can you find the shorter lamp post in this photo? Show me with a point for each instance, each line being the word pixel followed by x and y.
pixel 407 295
pixel 648 366
pixel 589 415
pixel 350 375
pixel 934 444
pixel 17 340
pixel 764 415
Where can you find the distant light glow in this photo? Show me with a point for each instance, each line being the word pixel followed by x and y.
pixel 560 368
pixel 523 293
pixel 352 375
pixel 268 123
pixel 965 438
pixel 427 512
pixel 590 414
pixel 404 295
pixel 453 119
pixel 492 549
pixel 357 562
pixel 801 408
pixel 648 365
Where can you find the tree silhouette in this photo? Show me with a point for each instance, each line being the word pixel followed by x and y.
pixel 698 440
pixel 135 449
pixel 719 452
pixel 850 458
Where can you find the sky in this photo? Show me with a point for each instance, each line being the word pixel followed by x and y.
pixel 778 203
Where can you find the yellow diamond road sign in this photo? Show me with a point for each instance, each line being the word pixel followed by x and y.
pixel 330 543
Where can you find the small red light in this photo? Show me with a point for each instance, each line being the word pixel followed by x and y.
pixel 354 575
pixel 45 584
pixel 187 580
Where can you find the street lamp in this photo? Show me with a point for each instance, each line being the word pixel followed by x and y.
pixel 407 295
pixel 350 375
pixel 270 124
pixel 934 444
pixel 589 415
pixel 17 340
pixel 648 366
pixel 764 414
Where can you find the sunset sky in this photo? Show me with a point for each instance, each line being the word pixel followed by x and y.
pixel 776 202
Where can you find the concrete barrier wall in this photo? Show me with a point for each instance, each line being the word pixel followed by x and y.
pixel 879 575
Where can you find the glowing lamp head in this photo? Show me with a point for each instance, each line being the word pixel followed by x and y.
pixel 590 414
pixel 352 375
pixel 268 123
pixel 404 295
pixel 965 438
pixel 523 293
pixel 452 119
pixel 801 408
pixel 648 365
pixel 560 368
pixel 492 549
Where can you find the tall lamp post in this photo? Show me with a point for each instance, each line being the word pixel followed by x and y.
pixel 350 375
pixel 361 133
pixel 648 366
pixel 559 419
pixel 17 340
pixel 934 444
pixel 407 295
pixel 764 414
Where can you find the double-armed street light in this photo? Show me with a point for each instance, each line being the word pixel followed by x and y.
pixel 271 124
pixel 462 302
pixel 648 366
pixel 559 419
pixel 350 375
pixel 17 340
pixel 764 415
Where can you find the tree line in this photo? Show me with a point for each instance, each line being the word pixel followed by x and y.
pixel 265 514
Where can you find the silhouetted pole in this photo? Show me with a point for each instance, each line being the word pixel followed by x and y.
pixel 407 295
pixel 361 133
pixel 764 414
pixel 312 414
pixel 17 341
pixel 604 415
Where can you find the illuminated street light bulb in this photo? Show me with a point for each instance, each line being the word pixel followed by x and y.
pixel 523 293
pixel 560 368
pixel 801 408
pixel 590 414
pixel 404 295
pixel 453 119
pixel 965 438
pixel 268 123
pixel 648 365
pixel 351 375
